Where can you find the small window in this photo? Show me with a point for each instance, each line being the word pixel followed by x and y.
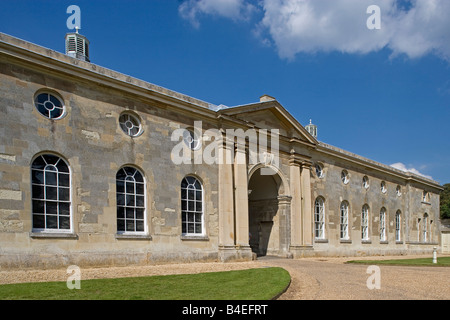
pixel 398 191
pixel 130 124
pixel 344 177
pixel 365 222
pixel 319 218
pixel 319 171
pixel 425 228
pixel 398 225
pixel 383 224
pixel 344 235
pixel 191 139
pixel 365 182
pixel 49 106
pixel 425 197
pixel 383 187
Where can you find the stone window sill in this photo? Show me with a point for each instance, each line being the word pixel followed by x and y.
pixel 384 242
pixel 53 235
pixel 194 238
pixel 345 241
pixel 320 240
pixel 366 241
pixel 120 236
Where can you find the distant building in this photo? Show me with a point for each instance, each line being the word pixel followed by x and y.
pixel 88 176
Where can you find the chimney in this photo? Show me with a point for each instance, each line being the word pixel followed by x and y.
pixel 77 46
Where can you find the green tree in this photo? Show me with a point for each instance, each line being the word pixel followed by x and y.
pixel 445 202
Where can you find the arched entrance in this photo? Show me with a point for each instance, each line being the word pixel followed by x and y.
pixel 267 216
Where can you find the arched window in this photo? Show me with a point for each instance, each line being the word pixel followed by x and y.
pixel 319 218
pixel 191 206
pixel 365 222
pixel 425 228
pixel 383 224
pixel 344 221
pixel 130 196
pixel 50 181
pixel 398 225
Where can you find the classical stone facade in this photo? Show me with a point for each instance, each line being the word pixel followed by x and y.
pixel 88 177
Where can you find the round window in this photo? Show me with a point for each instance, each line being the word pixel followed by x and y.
pixel 49 106
pixel 130 124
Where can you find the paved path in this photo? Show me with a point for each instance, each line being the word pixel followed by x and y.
pixel 331 278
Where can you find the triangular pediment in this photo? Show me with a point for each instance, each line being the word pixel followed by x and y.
pixel 270 115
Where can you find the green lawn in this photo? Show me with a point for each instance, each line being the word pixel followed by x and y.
pixel 441 261
pixel 252 284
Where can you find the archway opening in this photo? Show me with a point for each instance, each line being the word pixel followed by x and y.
pixel 264 224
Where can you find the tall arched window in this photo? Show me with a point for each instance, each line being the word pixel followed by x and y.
pixel 344 221
pixel 425 228
pixel 365 222
pixel 130 195
pixel 50 181
pixel 191 206
pixel 319 218
pixel 383 224
pixel 398 225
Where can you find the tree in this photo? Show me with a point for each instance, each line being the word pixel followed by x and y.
pixel 445 202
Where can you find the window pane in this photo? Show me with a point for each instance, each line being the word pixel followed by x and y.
pixel 120 199
pixel 37 177
pixel 130 200
pixel 64 180
pixel 140 201
pixel 38 221
pixel 64 194
pixel 120 225
pixel 51 221
pixel 191 228
pixel 130 225
pixel 129 213
pixel 120 212
pixel 51 178
pixel 38 206
pixel 139 188
pixel 64 209
pixel 51 193
pixel 139 225
pixel 51 207
pixel 140 214
pixel 64 223
pixel 38 192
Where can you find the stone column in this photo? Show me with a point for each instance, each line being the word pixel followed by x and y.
pixel 296 203
pixel 307 212
pixel 226 204
pixel 241 196
pixel 284 210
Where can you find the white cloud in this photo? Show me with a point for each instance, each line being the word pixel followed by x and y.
pixel 232 9
pixel 402 167
pixel 411 27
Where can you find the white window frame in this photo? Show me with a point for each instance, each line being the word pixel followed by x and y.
pixel 383 234
pixel 365 223
pixel 344 230
pixel 345 177
pixel 45 200
pixel 125 206
pixel 319 170
pixel 365 182
pixel 184 212
pixel 383 187
pixel 398 226
pixel 37 104
pixel 319 218
pixel 128 122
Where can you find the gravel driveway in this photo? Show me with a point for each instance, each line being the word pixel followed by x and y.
pixel 312 278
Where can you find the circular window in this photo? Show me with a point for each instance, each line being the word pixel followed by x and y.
pixel 49 106
pixel 130 124
pixel 191 139
pixel 344 176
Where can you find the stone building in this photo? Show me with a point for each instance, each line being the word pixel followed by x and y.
pixel 88 176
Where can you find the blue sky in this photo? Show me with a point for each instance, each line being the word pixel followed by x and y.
pixel 383 93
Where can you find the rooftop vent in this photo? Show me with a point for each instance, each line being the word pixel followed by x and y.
pixel 312 129
pixel 77 46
